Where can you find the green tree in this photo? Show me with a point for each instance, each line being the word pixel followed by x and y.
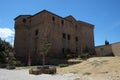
pixel 106 42
pixel 45 47
pixel 5 48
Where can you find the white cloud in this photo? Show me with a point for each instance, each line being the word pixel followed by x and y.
pixel 7 34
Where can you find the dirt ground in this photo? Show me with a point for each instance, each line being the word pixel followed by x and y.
pixel 98 68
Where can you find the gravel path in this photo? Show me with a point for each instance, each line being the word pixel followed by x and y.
pixel 24 75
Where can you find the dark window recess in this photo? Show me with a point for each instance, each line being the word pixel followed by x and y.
pixel 36 32
pixel 64 35
pixel 76 26
pixel 63 50
pixel 76 38
pixel 101 49
pixel 30 21
pixel 53 18
pixel 24 20
pixel 69 37
pixel 68 50
pixel 76 49
pixel 35 50
pixel 62 22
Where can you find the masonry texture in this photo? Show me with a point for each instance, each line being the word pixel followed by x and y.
pixel 65 34
pixel 108 50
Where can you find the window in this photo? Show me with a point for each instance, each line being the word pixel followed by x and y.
pixel 24 20
pixel 53 18
pixel 101 49
pixel 35 50
pixel 63 50
pixel 64 35
pixel 76 49
pixel 76 39
pixel 69 37
pixel 36 32
pixel 62 22
pixel 68 50
pixel 76 27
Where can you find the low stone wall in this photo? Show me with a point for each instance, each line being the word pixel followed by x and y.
pixel 116 49
pixel 44 70
pixel 104 50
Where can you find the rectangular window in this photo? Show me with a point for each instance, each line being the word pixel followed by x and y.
pixel 35 50
pixel 69 37
pixel 64 35
pixel 53 18
pixel 76 49
pixel 24 20
pixel 62 22
pixel 36 32
pixel 76 39
pixel 63 50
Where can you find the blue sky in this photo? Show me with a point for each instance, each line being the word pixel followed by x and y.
pixel 104 14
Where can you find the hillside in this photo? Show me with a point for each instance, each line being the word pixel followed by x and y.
pixel 99 68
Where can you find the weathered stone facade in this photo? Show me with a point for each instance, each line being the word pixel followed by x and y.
pixel 104 50
pixel 108 50
pixel 116 49
pixel 63 33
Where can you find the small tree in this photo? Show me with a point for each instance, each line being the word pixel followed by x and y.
pixel 45 47
pixel 106 42
pixel 5 48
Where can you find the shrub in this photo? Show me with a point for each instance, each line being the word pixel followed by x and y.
pixel 87 73
pixel 104 72
pixel 97 63
pixel 63 65
pixel 18 63
pixel 84 55
pixel 77 79
pixel 69 55
pixel 12 62
pixel 15 63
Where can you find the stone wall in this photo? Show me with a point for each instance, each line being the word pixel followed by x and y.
pixel 108 50
pixel 116 49
pixel 104 50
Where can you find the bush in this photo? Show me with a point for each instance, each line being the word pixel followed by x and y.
pixel 63 65
pixel 18 63
pixel 77 79
pixel 12 62
pixel 15 63
pixel 69 55
pixel 84 55
pixel 87 73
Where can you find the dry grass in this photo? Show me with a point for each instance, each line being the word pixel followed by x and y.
pixel 101 68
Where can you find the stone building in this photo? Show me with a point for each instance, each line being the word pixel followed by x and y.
pixel 108 50
pixel 65 34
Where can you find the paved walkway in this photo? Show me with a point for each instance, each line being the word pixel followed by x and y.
pixel 24 75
